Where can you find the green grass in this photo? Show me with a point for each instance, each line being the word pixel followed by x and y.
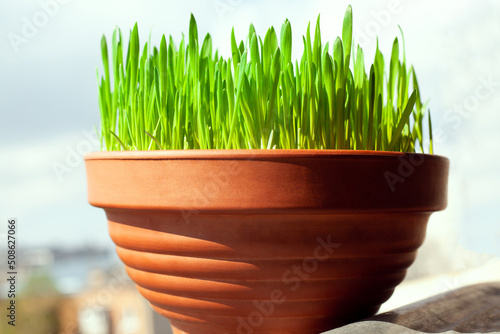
pixel 186 96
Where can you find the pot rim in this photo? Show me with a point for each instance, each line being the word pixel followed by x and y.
pixel 248 154
pixel 297 179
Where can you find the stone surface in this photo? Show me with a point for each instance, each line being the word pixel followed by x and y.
pixel 376 327
pixel 473 309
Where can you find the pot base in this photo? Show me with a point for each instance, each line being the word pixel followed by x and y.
pixel 265 273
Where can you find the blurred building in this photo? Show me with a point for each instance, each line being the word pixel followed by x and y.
pixel 110 304
pixel 82 291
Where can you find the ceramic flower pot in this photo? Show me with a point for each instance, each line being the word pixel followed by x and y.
pixel 266 241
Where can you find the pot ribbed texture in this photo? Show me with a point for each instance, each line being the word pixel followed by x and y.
pixel 288 242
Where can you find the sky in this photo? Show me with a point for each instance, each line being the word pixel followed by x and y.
pixel 50 50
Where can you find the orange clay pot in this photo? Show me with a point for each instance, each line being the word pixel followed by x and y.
pixel 266 241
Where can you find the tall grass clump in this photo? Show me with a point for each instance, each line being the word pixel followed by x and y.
pixel 187 96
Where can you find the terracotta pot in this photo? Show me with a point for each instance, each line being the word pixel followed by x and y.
pixel 266 241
